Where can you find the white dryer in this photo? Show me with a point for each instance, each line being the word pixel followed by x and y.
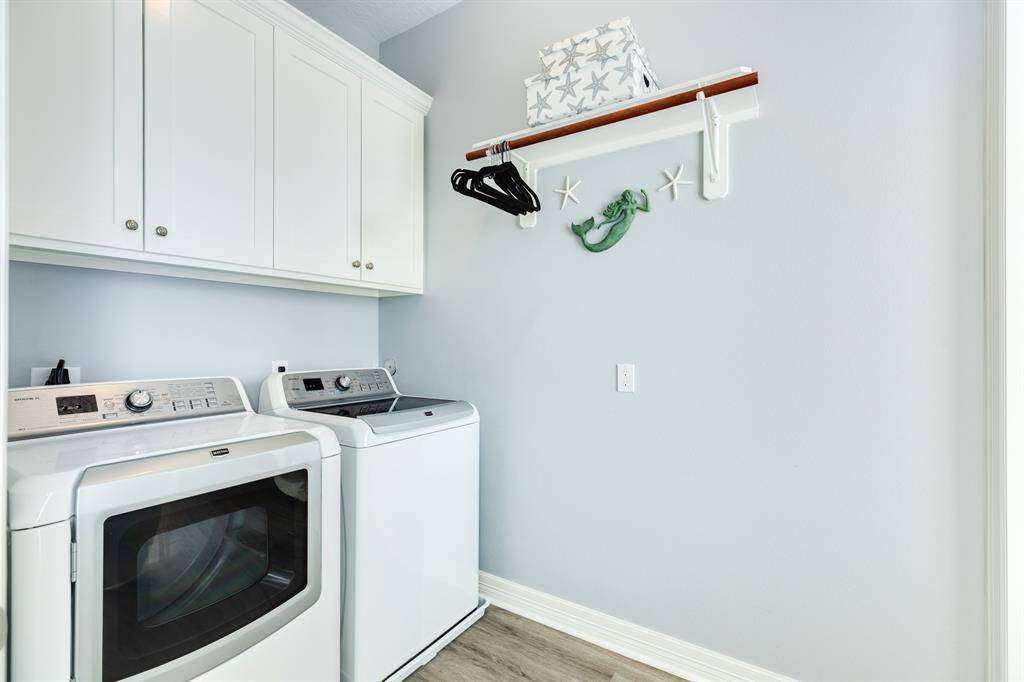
pixel 161 530
pixel 410 488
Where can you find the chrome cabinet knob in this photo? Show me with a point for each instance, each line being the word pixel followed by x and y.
pixel 369 266
pixel 131 225
pixel 356 263
pixel 161 231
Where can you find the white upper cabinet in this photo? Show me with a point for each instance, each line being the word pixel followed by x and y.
pixel 76 121
pixel 392 190
pixel 234 140
pixel 209 131
pixel 316 162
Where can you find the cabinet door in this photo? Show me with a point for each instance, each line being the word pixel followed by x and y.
pixel 209 131
pixel 76 120
pixel 316 162
pixel 392 190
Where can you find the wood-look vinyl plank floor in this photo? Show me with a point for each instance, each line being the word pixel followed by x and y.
pixel 503 646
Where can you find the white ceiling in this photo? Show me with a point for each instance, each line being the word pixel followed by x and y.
pixel 380 19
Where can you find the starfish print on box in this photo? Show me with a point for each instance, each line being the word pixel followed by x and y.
pixel 545 76
pixel 567 193
pixel 541 104
pixel 571 55
pixel 568 88
pixel 578 108
pixel 596 85
pixel 626 69
pixel 600 53
pixel 546 51
pixel 604 28
pixel 674 181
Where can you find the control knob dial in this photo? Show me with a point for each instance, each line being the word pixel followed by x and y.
pixel 139 400
pixel 343 382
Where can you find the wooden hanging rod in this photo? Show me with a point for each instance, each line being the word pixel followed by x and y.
pixel 648 107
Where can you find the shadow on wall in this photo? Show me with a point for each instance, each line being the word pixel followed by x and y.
pixel 118 326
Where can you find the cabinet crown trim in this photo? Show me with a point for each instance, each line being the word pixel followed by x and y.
pixel 306 29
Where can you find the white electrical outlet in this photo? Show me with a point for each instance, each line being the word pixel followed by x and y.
pixel 625 378
pixel 39 375
pixel 279 366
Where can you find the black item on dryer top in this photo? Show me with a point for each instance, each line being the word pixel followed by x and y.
pixel 58 375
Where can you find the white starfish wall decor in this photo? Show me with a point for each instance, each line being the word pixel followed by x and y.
pixel 674 181
pixel 567 193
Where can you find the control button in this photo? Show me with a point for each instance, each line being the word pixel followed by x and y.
pixel 343 382
pixel 110 415
pixel 211 402
pixel 139 400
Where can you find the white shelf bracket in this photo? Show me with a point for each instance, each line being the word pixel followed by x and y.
pixel 529 173
pixel 715 183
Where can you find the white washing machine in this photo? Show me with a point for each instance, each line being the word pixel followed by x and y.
pixel 161 530
pixel 410 488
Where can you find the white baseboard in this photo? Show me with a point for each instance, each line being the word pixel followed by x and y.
pixel 689 661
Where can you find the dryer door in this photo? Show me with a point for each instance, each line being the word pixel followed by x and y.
pixel 185 560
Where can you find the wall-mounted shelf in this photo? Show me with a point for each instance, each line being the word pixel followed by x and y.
pixel 722 99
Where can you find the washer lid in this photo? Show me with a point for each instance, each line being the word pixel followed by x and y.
pixel 399 413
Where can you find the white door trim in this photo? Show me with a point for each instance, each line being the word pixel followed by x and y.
pixel 4 295
pixel 689 661
pixel 998 655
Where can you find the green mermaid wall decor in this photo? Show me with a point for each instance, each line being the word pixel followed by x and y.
pixel 619 214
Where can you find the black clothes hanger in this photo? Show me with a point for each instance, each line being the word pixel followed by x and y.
pixel 503 183
pixel 491 185
pixel 499 185
pixel 472 184
pixel 507 177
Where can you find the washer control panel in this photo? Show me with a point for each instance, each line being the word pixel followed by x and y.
pixel 52 410
pixel 337 385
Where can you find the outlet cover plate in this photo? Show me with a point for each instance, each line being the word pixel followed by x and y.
pixel 625 378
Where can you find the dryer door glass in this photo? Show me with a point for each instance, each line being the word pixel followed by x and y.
pixel 181 575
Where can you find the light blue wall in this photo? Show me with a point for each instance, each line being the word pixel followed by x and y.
pixel 799 480
pixel 125 326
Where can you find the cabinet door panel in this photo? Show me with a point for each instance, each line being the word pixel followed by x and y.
pixel 209 131
pixel 392 179
pixel 316 162
pixel 76 120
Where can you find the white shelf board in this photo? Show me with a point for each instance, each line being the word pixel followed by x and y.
pixel 733 107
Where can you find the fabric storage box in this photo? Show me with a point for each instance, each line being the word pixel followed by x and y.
pixel 549 98
pixel 605 42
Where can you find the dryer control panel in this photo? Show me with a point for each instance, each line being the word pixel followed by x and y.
pixel 337 385
pixel 53 410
